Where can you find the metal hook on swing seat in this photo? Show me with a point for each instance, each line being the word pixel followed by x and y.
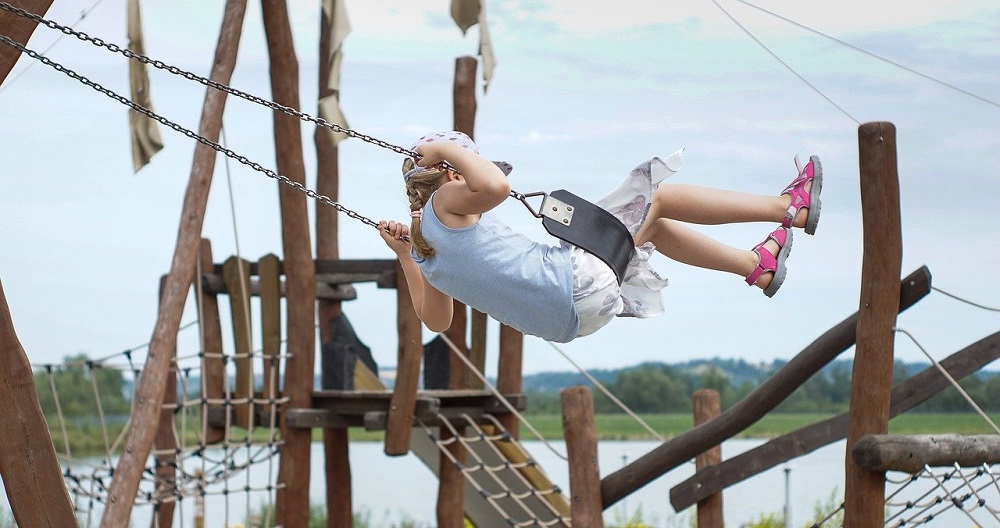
pixel 553 208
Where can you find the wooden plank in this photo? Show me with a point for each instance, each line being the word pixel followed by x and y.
pixel 330 292
pixel 213 368
pixel 18 29
pixel 28 465
pixel 707 405
pixel 234 272
pixel 270 322
pixel 905 396
pixel 408 359
pixel 580 432
pixel 300 271
pixel 165 446
pixel 132 463
pixel 871 381
pixel 531 472
pixel 509 369
pixel 911 453
pixel 768 395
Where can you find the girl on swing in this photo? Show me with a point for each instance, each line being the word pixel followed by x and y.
pixel 457 249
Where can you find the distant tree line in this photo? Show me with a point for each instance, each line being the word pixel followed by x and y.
pixel 662 388
pixel 76 381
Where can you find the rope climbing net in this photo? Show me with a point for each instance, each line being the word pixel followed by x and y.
pixel 202 465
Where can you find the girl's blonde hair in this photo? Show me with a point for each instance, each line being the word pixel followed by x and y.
pixel 419 187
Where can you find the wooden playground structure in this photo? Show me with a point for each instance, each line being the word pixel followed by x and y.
pixel 311 282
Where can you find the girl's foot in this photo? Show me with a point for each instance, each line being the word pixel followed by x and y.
pixel 803 193
pixel 769 273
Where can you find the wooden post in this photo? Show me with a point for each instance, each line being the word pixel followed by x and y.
pixel 451 482
pixel 707 405
pixel 871 382
pixel 581 446
pixel 132 463
pixel 18 29
pixel 269 280
pixel 509 368
pixel 399 423
pixel 28 465
pixel 336 447
pixel 300 269
pixel 165 446
pixel 213 369
pixel 236 274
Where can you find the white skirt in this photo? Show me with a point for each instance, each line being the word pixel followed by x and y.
pixel 596 293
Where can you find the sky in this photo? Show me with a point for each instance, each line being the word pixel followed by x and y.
pixel 582 93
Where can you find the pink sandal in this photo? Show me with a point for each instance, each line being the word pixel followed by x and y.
pixel 812 172
pixel 768 263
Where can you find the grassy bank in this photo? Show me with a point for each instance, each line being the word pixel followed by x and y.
pixel 622 427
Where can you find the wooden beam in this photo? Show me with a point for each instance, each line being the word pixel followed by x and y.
pixel 580 432
pixel 336 445
pixel 270 324
pixel 300 271
pixel 213 368
pixel 743 414
pixel 165 448
pixel 234 272
pixel 911 453
pixel 509 370
pixel 132 463
pixel 905 396
pixel 871 381
pixel 19 29
pixel 28 465
pixel 707 405
pixel 408 359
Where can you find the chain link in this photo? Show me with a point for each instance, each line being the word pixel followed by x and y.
pixel 158 64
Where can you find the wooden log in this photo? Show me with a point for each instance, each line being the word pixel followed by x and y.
pixel 707 405
pixel 744 413
pixel 213 368
pixel 580 432
pixel 270 324
pixel 235 273
pixel 132 463
pixel 336 447
pixel 165 445
pixel 871 382
pixel 408 359
pixel 905 396
pixel 509 369
pixel 28 465
pixel 300 272
pixel 19 29
pixel 912 453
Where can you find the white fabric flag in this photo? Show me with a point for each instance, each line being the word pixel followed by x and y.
pixel 335 13
pixel 467 13
pixel 144 131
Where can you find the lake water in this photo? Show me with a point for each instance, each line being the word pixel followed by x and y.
pixel 403 488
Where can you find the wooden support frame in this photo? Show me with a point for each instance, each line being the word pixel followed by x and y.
pixel 28 464
pixel 911 453
pixel 212 366
pixel 707 405
pixel 905 396
pixel 235 273
pixel 755 405
pixel 165 447
pixel 580 432
pixel 132 463
pixel 18 29
pixel 871 381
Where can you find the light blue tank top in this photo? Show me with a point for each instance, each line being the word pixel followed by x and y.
pixel 487 266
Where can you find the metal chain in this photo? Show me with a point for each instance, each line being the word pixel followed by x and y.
pixel 523 198
pixel 200 139
pixel 205 81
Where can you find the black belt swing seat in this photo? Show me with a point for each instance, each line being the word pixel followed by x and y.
pixel 568 217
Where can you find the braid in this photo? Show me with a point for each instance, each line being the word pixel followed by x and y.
pixel 418 191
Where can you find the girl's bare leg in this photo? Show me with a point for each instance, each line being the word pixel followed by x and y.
pixel 685 245
pixel 704 205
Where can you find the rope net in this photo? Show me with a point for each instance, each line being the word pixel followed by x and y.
pixel 498 469
pixel 942 496
pixel 201 466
